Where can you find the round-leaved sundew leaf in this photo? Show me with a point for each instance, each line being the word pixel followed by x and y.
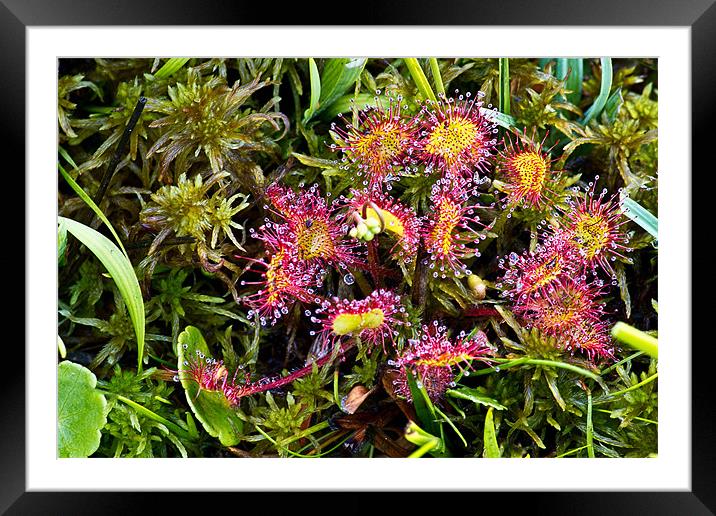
pixel 80 411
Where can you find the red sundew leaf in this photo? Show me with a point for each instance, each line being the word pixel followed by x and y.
pixel 211 408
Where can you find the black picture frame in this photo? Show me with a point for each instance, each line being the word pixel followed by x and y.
pixel 699 15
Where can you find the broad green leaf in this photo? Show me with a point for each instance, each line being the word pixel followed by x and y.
pixel 361 101
pixel 492 450
pixel 337 77
pixel 474 395
pixel 120 268
pixel 315 90
pixel 80 411
pixel 416 72
pixel 172 66
pixel 605 88
pixel 211 408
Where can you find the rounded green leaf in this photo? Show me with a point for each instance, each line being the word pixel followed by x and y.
pixel 210 407
pixel 80 411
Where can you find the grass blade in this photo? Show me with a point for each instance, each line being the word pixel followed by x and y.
pixel 86 198
pixel 416 72
pixel 122 272
pixel 172 66
pixel 601 99
pixel 640 215
pixel 573 71
pixel 492 449
pixel 315 90
pixel 590 427
pixel 423 406
pixel 505 85
pixel 437 78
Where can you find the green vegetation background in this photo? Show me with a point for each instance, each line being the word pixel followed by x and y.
pixel 221 130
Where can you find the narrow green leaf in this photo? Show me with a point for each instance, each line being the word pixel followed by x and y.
pixel 315 90
pixel 590 427
pixel 498 118
pixel 89 202
pixel 605 88
pixel 614 103
pixel 422 405
pixel 573 71
pixel 505 85
pixel 416 72
pixel 156 417
pixel 80 411
pixel 120 268
pixel 172 66
pixel 437 78
pixel 636 339
pixel 475 396
pixel 61 244
pixel 61 347
pixel 640 215
pixel 451 424
pixel 311 161
pixel 492 449
pixel 632 388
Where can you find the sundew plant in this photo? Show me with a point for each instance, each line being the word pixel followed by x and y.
pixel 342 257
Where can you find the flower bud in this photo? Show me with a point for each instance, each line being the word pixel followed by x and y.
pixel 477 286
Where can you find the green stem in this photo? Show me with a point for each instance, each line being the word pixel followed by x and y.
pixel 506 363
pixel 635 417
pixel 437 78
pixel 590 427
pixel 419 78
pixel 636 339
pixel 627 359
pixel 635 386
pixel 308 431
pixel 336 396
pixel 570 452
pixel 505 85
pixel 425 448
